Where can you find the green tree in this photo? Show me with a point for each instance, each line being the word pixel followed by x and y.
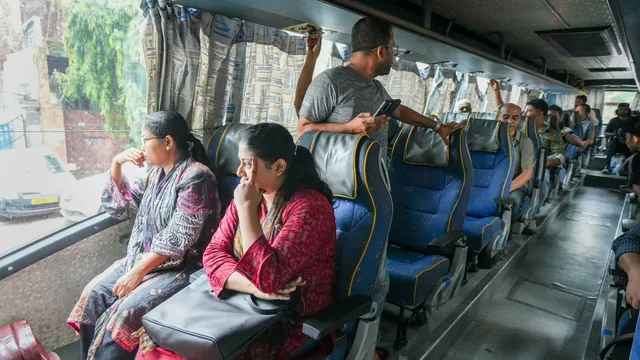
pixel 103 44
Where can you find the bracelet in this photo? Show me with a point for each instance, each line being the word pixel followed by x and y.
pixel 437 127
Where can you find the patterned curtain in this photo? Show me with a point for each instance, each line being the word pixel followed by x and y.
pixel 474 94
pixel 595 97
pixel 214 86
pixel 172 51
pixel 273 62
pixel 443 94
pixel 213 69
pixel 405 83
pixel 635 104
pixel 565 101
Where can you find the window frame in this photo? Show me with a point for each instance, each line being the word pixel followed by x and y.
pixel 54 242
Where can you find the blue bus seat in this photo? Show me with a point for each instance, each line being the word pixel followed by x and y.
pixel 430 185
pixel 223 154
pixel 455 117
pixel 488 219
pixel 529 207
pixel 352 167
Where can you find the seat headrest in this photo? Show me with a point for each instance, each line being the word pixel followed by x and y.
pixel 482 135
pixel 226 160
pixel 335 155
pixel 456 117
pixel 425 147
pixel 522 126
pixel 552 121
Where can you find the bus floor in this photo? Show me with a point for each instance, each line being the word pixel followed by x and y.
pixel 543 309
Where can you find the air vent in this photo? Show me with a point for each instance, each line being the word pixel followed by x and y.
pixel 583 42
pixel 306 29
pixel 611 69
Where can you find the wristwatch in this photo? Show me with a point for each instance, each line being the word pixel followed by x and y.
pixel 437 127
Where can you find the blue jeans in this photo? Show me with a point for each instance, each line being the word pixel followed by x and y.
pixel 518 197
pixel 544 190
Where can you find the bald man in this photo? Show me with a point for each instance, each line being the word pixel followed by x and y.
pixel 524 156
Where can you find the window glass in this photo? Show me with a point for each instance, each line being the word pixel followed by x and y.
pixel 72 89
pixel 611 101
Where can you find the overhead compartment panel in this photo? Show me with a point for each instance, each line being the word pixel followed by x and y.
pixel 425 45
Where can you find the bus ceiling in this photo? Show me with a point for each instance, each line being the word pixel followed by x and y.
pixel 337 17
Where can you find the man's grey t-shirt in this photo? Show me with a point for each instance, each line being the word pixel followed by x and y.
pixel 340 94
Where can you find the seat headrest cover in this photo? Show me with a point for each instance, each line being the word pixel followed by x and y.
pixel 425 147
pixel 483 135
pixel 227 154
pixel 522 126
pixel 552 122
pixel 335 156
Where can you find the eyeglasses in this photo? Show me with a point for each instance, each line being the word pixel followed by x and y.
pixel 144 140
pixel 395 50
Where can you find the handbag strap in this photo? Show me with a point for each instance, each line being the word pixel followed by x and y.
pixel 266 307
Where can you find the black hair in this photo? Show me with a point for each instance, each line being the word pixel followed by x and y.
pixel 555 108
pixel 582 97
pixel 539 105
pixel 632 126
pixel 369 33
pixel 271 142
pixel 169 123
pixel 587 107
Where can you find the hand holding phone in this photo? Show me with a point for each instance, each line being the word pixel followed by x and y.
pixel 387 108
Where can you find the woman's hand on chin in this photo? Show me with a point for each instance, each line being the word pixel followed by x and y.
pixel 127 283
pixel 246 196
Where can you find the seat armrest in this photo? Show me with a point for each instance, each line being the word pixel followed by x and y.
pixel 628 224
pixel 446 241
pixel 504 202
pixel 335 316
pixel 196 275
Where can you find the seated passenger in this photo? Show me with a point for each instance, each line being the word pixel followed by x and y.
pixel 276 241
pixel 524 156
pixel 567 134
pixel 616 143
pixel 176 210
pixel 589 132
pixel 582 100
pixel 627 250
pixel 463 106
pixel 632 130
pixel 550 139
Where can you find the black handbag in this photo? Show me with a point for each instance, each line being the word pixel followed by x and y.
pixel 196 324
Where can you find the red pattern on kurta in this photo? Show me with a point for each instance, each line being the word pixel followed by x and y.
pixel 306 246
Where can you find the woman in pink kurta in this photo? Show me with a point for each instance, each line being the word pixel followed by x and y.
pixel 277 240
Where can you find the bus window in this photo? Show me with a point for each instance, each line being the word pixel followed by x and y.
pixel 73 87
pixel 611 101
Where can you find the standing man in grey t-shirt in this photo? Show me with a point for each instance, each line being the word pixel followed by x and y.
pixel 343 100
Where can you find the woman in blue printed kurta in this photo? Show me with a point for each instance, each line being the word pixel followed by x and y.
pixel 176 210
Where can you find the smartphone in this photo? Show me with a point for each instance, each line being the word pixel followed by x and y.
pixel 388 107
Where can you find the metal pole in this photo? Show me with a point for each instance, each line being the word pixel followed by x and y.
pixel 427 8
pixel 24 131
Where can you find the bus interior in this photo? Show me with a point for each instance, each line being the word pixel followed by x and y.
pixel 76 76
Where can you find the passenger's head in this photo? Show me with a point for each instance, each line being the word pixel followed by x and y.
pixel 583 111
pixel 623 110
pixel 537 109
pixel 166 137
pixel 580 99
pixel 632 129
pixel 372 41
pixel 463 106
pixel 556 111
pixel 282 165
pixel 510 113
